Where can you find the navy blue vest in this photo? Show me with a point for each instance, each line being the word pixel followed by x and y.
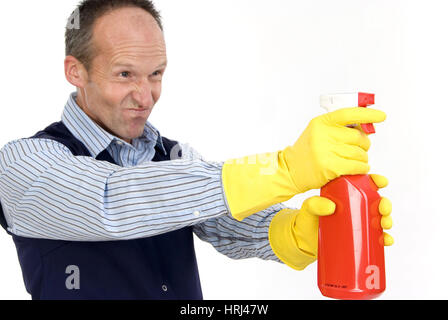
pixel 159 267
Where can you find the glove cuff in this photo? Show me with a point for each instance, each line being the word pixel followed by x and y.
pixel 284 243
pixel 254 183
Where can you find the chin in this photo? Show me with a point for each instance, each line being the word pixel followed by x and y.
pixel 136 134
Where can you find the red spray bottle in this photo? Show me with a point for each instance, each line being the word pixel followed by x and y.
pixel 351 250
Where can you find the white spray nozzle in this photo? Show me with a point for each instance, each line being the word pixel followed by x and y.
pixel 333 102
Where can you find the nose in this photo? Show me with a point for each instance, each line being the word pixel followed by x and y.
pixel 142 94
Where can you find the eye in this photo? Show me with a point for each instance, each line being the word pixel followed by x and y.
pixel 157 73
pixel 125 74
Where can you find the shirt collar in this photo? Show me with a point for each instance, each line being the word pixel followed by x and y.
pixel 95 138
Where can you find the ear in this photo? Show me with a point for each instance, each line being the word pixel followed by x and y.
pixel 75 72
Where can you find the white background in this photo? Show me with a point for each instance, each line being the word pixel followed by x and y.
pixel 245 76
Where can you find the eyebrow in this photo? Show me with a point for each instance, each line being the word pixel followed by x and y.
pixel 125 65
pixel 163 65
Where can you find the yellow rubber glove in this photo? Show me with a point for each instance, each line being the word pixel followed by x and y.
pixel 385 209
pixel 326 150
pixel 293 234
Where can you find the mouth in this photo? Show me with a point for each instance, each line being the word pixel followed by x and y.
pixel 139 111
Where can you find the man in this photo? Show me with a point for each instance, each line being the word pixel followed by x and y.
pixel 100 206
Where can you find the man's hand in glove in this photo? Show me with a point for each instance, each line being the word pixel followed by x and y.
pixel 293 234
pixel 326 150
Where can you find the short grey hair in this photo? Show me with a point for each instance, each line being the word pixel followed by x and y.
pixel 78 36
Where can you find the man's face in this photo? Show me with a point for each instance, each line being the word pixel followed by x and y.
pixel 124 81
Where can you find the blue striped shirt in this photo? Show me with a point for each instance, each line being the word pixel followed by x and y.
pixel 47 192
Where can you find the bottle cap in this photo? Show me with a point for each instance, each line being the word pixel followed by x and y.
pixel 333 102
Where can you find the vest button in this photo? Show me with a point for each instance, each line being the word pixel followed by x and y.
pixel 196 213
pixel 164 288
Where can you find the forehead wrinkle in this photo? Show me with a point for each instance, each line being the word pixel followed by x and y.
pixel 131 50
pixel 133 44
pixel 129 57
pixel 138 46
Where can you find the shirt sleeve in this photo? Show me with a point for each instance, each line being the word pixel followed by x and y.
pixel 47 192
pixel 240 239
pixel 237 239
